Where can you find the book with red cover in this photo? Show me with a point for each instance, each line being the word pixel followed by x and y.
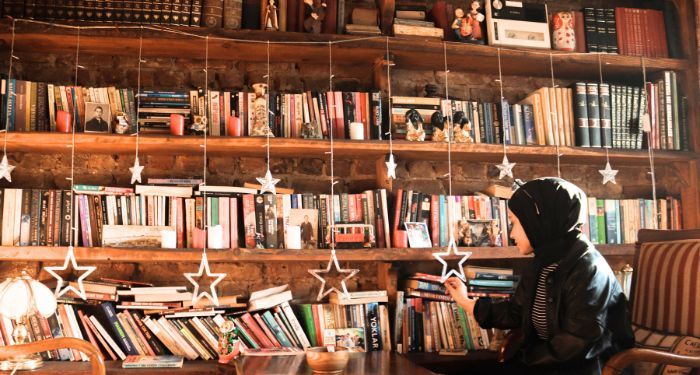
pixel 267 331
pixel 400 238
pixel 253 327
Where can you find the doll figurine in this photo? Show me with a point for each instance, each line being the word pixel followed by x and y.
pixel 271 22
pixel 314 15
pixel 563 36
pixel 229 343
pixel 467 27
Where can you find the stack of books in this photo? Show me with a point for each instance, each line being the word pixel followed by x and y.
pixel 360 322
pixel 491 282
pixel 155 108
pixel 410 22
pixel 428 320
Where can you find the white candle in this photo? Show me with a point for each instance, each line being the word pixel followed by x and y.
pixel 168 239
pixel 294 237
pixel 357 130
pixel 216 234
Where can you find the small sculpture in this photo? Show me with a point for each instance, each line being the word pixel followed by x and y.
pixel 229 343
pixel 122 126
pixel 439 125
pixel 261 119
pixel 271 22
pixel 563 35
pixel 314 15
pixel 462 128
pixel 467 28
pixel 199 125
pixel 414 132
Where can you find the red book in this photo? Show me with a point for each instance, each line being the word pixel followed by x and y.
pixel 580 32
pixel 317 324
pixel 400 238
pixel 330 99
pixel 46 331
pixel 234 222
pixel 180 223
pixel 435 219
pixel 101 339
pixel 293 15
pixel 137 330
pixel 249 220
pixel 87 330
pixel 339 129
pixel 67 329
pixel 267 331
pixel 438 14
pixel 364 111
pixel 257 331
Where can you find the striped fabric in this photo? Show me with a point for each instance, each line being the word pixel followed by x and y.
pixel 539 307
pixel 666 294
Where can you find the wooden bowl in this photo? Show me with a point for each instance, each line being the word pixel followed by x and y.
pixel 322 361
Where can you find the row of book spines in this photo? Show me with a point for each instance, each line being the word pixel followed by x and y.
pixel 601 30
pixel 173 12
pixel 441 214
pixel 32 106
pixel 274 328
pixel 372 317
pixel 369 207
pixel 615 221
pixel 642 32
pixel 34 217
pixel 331 111
pixel 433 326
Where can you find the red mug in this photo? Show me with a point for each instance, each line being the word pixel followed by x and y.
pixel 177 124
pixel 234 126
pixel 63 122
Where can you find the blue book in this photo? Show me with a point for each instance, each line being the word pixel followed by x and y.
pixel 117 330
pixel 529 125
pixel 488 125
pixel 76 114
pixel 504 111
pixel 11 104
pixel 610 221
pixel 492 283
pixel 373 333
pixel 618 221
pixel 592 220
pixel 276 329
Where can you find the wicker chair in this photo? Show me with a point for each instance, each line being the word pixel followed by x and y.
pixel 665 297
pixel 96 362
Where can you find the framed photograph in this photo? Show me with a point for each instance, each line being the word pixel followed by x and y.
pixel 418 235
pixel 98 118
pixel 307 221
pixel 479 233
pixel 351 338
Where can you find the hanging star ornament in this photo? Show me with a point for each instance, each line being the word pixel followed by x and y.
pixel 136 171
pixel 505 168
pixel 70 259
pixel 333 262
pixel 608 174
pixel 204 269
pixel 6 169
pixel 452 249
pixel 391 167
pixel 268 183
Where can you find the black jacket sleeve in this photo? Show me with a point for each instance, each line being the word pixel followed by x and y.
pixel 503 314
pixel 583 315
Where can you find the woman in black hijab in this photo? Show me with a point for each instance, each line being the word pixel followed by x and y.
pixel 570 307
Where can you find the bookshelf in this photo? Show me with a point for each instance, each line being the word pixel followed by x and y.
pixel 366 57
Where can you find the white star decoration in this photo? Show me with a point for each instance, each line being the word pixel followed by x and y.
pixel 268 183
pixel 136 171
pixel 323 292
pixel 505 168
pixel 452 249
pixel 6 169
pixel 204 268
pixel 608 174
pixel 70 258
pixel 391 167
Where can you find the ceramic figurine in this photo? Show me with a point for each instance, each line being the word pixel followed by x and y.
pixel 414 126
pixel 260 115
pixel 467 27
pixel 271 22
pixel 563 35
pixel 229 343
pixel 314 15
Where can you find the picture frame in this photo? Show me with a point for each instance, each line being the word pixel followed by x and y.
pixel 98 118
pixel 418 235
pixel 307 220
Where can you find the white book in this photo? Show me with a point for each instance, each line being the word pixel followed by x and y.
pixel 189 314
pixel 289 313
pixel 169 191
pixel 165 297
pixel 225 189
pixel 264 299
pixel 7 203
pixel 190 353
pixel 202 329
pixel 75 327
pixel 163 336
pixel 16 222
pixel 117 350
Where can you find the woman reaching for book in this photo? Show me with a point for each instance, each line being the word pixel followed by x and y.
pixel 570 307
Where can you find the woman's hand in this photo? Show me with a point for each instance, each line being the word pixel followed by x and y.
pixel 458 291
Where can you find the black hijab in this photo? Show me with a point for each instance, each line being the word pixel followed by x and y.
pixel 551 211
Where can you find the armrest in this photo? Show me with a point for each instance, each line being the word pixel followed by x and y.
pixel 96 362
pixel 622 360
pixel 510 346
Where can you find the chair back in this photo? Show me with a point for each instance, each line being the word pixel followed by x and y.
pixel 97 364
pixel 666 282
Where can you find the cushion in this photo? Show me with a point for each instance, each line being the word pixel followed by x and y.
pixel 655 340
pixel 666 294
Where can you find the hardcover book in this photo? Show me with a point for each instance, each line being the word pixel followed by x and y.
pixel 150 361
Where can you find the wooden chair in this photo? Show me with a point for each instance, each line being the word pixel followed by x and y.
pixel 664 261
pixel 96 362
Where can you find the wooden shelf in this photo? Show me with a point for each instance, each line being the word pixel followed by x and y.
pixel 106 254
pixel 352 50
pixel 58 143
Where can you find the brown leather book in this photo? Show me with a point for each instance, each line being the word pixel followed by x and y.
pixel 213 13
pixel 580 32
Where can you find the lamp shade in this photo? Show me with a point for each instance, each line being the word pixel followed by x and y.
pixel 21 296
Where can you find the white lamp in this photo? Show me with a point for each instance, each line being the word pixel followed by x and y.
pixel 20 298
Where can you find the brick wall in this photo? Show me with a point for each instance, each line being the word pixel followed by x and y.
pixel 302 174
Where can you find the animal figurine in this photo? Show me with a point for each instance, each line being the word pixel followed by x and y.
pixel 414 132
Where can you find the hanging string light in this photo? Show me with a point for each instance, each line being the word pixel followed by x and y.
pixel 608 173
pixel 5 167
pixel 647 127
pixel 391 161
pixel 267 182
pixel 506 167
pixel 137 169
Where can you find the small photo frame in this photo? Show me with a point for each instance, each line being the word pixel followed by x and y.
pixel 98 118
pixel 418 235
pixel 307 221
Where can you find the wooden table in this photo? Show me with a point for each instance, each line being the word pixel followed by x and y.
pixel 360 363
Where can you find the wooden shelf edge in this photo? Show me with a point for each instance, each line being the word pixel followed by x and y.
pixel 106 255
pixel 58 143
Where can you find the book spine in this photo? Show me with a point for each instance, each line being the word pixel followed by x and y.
pixel 605 114
pixel 196 13
pixel 601 28
pixel 611 30
pixel 213 11
pixel 593 114
pixel 373 333
pixel 116 327
pixel 591 29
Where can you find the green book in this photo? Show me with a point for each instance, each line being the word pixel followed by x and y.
pixel 276 329
pixel 462 317
pixel 600 215
pixel 214 210
pixel 308 318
